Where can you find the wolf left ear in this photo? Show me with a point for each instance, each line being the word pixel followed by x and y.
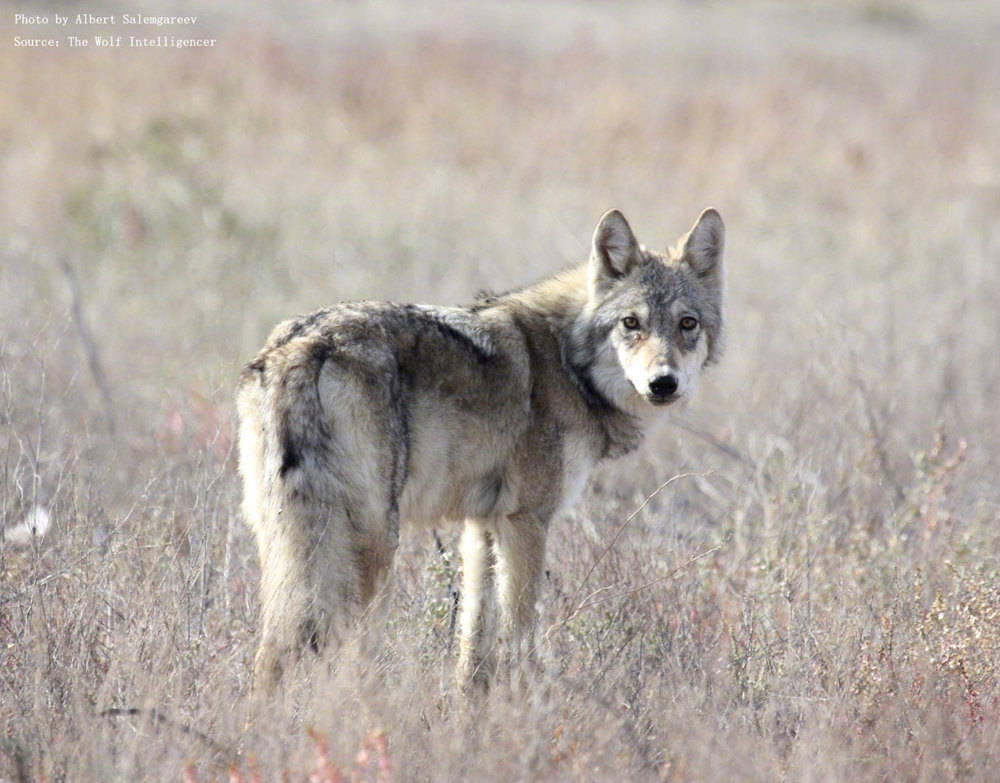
pixel 615 251
pixel 702 246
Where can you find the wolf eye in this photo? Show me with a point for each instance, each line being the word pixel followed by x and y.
pixel 688 323
pixel 630 322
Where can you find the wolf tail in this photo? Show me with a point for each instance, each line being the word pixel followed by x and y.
pixel 285 445
pixel 282 424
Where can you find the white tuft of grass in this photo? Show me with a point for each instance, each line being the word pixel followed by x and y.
pixel 33 527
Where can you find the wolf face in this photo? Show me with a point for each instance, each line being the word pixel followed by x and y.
pixel 653 321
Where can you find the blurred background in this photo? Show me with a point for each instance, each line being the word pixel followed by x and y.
pixel 161 209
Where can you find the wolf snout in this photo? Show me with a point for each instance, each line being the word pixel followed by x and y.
pixel 663 387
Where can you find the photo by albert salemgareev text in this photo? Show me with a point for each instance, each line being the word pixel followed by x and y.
pixel 109 31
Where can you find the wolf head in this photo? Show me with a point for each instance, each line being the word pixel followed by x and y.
pixel 652 321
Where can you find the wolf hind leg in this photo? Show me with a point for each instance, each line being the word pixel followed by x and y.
pixel 374 560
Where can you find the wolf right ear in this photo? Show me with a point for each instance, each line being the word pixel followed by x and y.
pixel 701 248
pixel 615 252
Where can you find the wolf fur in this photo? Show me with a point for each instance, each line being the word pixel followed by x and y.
pixel 360 416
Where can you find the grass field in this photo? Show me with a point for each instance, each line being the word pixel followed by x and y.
pixel 817 597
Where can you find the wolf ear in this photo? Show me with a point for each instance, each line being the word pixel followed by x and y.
pixel 615 252
pixel 702 246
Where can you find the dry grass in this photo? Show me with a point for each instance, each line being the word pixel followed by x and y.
pixel 819 602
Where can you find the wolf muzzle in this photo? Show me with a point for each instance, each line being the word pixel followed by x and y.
pixel 663 389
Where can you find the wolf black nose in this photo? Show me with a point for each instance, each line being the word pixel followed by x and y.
pixel 663 385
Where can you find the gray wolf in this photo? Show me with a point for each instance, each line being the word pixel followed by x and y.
pixel 362 416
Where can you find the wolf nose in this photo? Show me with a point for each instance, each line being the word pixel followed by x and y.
pixel 663 385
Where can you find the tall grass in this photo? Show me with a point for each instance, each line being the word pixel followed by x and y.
pixel 815 598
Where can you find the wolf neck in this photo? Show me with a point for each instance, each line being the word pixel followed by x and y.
pixel 560 301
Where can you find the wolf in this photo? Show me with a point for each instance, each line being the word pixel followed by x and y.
pixel 362 416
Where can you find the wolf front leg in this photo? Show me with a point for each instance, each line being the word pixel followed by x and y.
pixel 478 620
pixel 520 555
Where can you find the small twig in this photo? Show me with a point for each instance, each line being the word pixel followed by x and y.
pixel 727 449
pixel 452 590
pixel 89 344
pixel 877 434
pixel 159 718
pixel 438 543
pixel 626 523
pixel 586 603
